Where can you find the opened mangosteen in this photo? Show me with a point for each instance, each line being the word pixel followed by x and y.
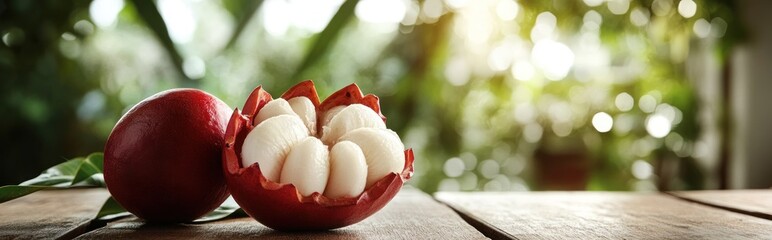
pixel 293 163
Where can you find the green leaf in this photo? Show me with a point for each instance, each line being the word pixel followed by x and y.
pixel 88 172
pixel 63 175
pixel 89 167
pixel 57 181
pixel 228 209
pixel 149 13
pixel 98 159
pixel 59 175
pixel 110 210
pixel 11 192
pixel 221 213
pixel 325 39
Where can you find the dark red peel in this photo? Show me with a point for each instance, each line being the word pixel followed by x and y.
pixel 348 95
pixel 256 100
pixel 303 89
pixel 162 159
pixel 280 206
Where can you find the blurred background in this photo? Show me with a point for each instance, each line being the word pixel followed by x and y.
pixel 493 95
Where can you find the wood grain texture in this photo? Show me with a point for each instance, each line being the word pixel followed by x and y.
pixel 411 215
pixel 605 215
pixel 59 214
pixel 756 203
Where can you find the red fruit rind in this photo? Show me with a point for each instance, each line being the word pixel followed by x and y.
pixel 162 159
pixel 280 206
pixel 349 95
pixel 303 89
pixel 256 100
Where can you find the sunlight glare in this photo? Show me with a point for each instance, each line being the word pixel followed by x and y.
pixel 602 122
pixel 507 10
pixel 658 126
pixel 555 59
pixel 179 19
pixel 381 11
pixel 105 12
pixel 687 8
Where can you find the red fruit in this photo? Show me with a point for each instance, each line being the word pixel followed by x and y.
pixel 163 158
pixel 280 206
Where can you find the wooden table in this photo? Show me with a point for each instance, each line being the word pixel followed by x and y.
pixel 610 215
pixel 741 214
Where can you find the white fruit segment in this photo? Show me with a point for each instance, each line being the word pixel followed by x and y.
pixel 274 108
pixel 269 143
pixel 383 150
pixel 307 166
pixel 352 117
pixel 305 109
pixel 329 114
pixel 348 171
pixel 283 142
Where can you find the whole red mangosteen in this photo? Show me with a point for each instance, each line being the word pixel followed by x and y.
pixel 162 160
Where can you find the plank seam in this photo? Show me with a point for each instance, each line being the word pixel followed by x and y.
pixel 76 231
pixel 482 226
pixel 726 208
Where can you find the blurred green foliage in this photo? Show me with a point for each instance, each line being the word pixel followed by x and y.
pixel 462 83
pixel 42 89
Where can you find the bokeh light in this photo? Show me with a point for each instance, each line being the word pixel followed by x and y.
pixel 624 102
pixel 488 93
pixel 642 170
pixel 104 13
pixel 658 126
pixel 602 122
pixel 687 8
pixel 381 11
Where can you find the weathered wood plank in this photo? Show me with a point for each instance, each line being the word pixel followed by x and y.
pixel 61 214
pixel 756 203
pixel 411 215
pixel 606 215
